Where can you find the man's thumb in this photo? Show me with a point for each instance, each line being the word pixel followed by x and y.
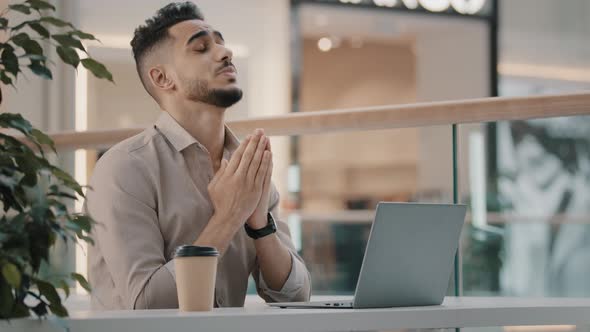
pixel 223 165
pixel 219 171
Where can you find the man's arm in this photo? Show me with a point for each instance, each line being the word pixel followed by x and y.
pixel 128 236
pixel 127 233
pixel 280 273
pixel 275 261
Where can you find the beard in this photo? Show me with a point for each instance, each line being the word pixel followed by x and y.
pixel 198 90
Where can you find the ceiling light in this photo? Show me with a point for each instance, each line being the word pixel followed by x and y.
pixel 435 5
pixel 325 44
pixel 385 3
pixel 410 4
pixel 468 6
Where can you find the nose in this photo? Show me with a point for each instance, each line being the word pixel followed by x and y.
pixel 225 54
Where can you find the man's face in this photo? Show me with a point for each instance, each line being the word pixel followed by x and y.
pixel 202 64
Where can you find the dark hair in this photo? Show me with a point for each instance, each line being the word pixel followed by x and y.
pixel 155 29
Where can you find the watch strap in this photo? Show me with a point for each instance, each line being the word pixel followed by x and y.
pixel 270 228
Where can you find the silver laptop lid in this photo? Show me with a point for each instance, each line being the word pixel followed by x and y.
pixel 409 255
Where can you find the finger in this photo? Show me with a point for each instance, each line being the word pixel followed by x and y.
pixel 220 171
pixel 268 176
pixel 223 166
pixel 268 145
pixel 269 171
pixel 237 155
pixel 260 176
pixel 248 154
pixel 255 164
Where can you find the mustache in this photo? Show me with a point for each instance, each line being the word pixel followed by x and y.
pixel 225 65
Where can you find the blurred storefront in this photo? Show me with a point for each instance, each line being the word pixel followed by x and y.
pixel 370 53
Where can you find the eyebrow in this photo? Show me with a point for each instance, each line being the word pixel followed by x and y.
pixel 203 33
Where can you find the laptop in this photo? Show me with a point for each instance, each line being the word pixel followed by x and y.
pixel 408 260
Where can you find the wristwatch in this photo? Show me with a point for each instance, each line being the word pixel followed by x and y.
pixel 270 228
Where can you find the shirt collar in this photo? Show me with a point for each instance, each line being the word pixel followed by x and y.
pixel 181 139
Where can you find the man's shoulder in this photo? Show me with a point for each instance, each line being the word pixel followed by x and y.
pixel 133 153
pixel 146 144
pixel 130 165
pixel 136 142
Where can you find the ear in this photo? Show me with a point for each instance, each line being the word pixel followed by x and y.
pixel 160 79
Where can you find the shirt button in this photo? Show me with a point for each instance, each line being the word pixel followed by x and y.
pixel 220 300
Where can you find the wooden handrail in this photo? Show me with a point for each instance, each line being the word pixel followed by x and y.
pixel 371 118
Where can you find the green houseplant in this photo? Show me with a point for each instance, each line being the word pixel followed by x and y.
pixel 33 192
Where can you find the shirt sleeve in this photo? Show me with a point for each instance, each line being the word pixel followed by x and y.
pixel 297 287
pixel 123 203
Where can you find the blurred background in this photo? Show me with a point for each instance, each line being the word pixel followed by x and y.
pixel 527 183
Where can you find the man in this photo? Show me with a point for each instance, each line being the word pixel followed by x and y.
pixel 187 180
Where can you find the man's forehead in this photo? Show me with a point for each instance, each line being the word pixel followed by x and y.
pixel 185 29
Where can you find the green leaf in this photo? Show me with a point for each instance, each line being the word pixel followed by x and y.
pixel 11 274
pixel 20 26
pixel 40 4
pixel 5 78
pixel 40 70
pixel 72 226
pixel 68 55
pixel 60 207
pixel 55 21
pixel 40 30
pixel 48 290
pixel 16 121
pixel 84 222
pixel 97 69
pixel 37 57
pixel 5 45
pixel 82 281
pixel 42 138
pixel 64 285
pixel 58 309
pixel 67 180
pixel 63 194
pixel 10 61
pixel 32 47
pixel 20 310
pixel 68 41
pixel 3 23
pixel 6 300
pixel 82 35
pixel 21 8
pixel 85 238
pixel 20 39
pixel 29 167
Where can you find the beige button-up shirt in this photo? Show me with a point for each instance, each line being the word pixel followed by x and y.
pixel 150 196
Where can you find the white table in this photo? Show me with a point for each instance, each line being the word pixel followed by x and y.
pixel 455 312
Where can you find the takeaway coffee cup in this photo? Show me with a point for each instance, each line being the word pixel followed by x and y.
pixel 196 269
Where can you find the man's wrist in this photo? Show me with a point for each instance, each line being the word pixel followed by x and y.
pixel 226 219
pixel 259 233
pixel 218 233
pixel 257 222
